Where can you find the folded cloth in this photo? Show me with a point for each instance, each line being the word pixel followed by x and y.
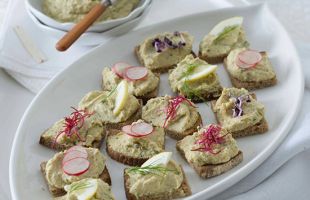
pixel 21 66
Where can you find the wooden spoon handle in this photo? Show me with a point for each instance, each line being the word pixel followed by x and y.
pixel 67 40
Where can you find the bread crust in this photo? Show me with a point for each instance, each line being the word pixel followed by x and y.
pixel 162 69
pixel 127 160
pixel 211 170
pixel 49 142
pixel 190 131
pixel 183 191
pixel 259 128
pixel 212 60
pixel 56 192
pixel 250 85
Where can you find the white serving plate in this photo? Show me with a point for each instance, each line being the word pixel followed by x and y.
pixel 282 102
pixel 36 8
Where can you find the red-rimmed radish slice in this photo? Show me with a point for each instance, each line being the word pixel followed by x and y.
pixel 243 65
pixel 74 154
pixel 119 68
pixel 126 129
pixel 141 128
pixel 249 57
pixel 76 166
pixel 135 73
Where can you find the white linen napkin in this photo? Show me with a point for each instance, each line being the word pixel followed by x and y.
pixel 33 76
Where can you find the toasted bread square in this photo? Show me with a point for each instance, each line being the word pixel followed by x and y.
pixel 259 128
pixel 251 85
pixel 211 170
pixel 56 192
pixel 183 191
pixel 48 141
pixel 121 157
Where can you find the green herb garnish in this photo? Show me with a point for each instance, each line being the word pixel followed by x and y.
pixel 224 33
pixel 79 186
pixel 190 92
pixel 151 169
pixel 190 69
pixel 110 94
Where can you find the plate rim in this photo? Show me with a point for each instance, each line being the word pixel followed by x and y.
pixel 234 177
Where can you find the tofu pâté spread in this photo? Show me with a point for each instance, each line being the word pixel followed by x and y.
pixel 261 72
pixel 58 178
pixel 200 150
pixel 236 109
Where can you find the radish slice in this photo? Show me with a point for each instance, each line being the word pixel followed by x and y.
pixel 127 129
pixel 249 57
pixel 74 154
pixel 135 73
pixel 141 129
pixel 119 68
pixel 243 65
pixel 76 166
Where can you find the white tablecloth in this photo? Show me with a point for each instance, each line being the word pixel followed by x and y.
pixel 290 181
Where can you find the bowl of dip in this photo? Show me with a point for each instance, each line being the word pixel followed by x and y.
pixel 63 14
pixel 91 38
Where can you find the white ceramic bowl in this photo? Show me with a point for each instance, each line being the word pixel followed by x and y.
pixel 36 8
pixel 91 38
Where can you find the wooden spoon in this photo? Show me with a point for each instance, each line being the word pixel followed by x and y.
pixel 67 40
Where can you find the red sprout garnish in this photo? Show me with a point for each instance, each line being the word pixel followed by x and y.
pixel 172 107
pixel 209 137
pixel 237 110
pixel 73 123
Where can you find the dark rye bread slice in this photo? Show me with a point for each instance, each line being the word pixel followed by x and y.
pixel 183 191
pixel 133 118
pixel 204 97
pixel 190 131
pixel 49 142
pixel 250 85
pixel 259 128
pixel 56 192
pixel 147 96
pixel 210 170
pixel 213 59
pixel 162 69
pixel 125 159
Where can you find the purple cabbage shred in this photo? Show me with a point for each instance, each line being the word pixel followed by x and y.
pixel 237 110
pixel 160 45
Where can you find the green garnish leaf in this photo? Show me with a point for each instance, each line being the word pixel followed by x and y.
pixel 110 94
pixel 190 92
pixel 225 32
pixel 78 186
pixel 151 169
pixel 190 69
